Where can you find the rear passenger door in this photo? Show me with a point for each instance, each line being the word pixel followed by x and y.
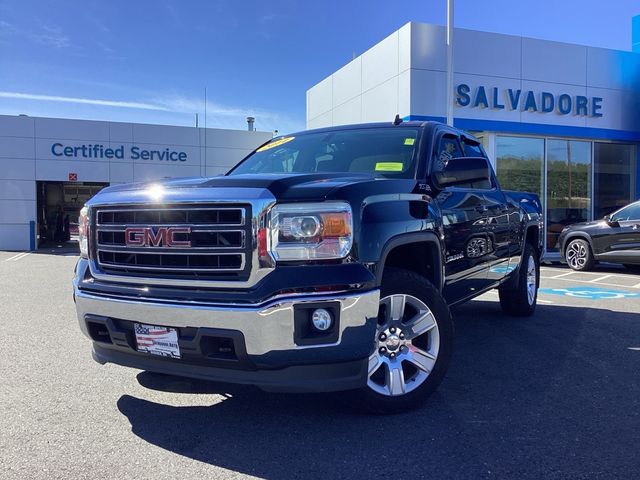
pixel 464 218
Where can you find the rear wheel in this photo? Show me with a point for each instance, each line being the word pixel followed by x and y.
pixel 521 301
pixel 412 346
pixel 578 255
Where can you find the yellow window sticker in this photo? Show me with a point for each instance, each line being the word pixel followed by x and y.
pixel 275 143
pixel 409 141
pixel 389 166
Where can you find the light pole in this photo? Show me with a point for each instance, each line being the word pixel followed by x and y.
pixel 450 63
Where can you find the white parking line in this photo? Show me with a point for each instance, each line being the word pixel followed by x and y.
pixel 596 280
pixel 17 256
pixel 599 275
pixel 562 275
pixel 570 272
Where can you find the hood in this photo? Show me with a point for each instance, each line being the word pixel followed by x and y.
pixel 287 187
pixel 293 186
pixel 586 225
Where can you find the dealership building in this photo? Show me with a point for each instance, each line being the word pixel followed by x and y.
pixel 557 119
pixel 49 167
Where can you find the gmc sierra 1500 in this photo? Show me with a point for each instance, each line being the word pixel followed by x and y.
pixel 326 260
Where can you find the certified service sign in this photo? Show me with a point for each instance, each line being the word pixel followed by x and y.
pixel 119 152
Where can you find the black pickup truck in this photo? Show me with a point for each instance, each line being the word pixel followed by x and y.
pixel 325 261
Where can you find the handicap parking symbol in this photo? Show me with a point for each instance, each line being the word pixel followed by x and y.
pixel 507 269
pixel 592 293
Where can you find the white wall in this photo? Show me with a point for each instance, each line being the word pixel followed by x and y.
pixel 26 157
pixel 406 73
pixel 371 88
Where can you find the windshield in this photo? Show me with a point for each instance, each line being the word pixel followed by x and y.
pixel 385 152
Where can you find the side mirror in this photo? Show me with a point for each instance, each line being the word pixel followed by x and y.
pixel 610 222
pixel 462 170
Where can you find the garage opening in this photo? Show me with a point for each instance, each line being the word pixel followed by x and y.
pixel 59 205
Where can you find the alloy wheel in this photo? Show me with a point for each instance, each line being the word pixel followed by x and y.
pixel 577 255
pixel 407 345
pixel 532 281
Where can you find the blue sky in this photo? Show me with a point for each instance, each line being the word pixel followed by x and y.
pixel 149 61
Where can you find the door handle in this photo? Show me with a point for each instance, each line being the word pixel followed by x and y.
pixel 481 208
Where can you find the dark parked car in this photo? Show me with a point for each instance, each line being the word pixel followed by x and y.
pixel 615 238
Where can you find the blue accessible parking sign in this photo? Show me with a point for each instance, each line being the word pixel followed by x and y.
pixel 593 293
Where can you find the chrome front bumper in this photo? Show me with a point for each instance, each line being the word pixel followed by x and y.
pixel 266 328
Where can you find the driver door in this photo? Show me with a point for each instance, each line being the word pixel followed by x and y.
pixel 464 217
pixel 622 242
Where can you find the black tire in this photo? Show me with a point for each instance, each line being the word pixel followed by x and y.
pixel 517 301
pixel 578 255
pixel 632 267
pixel 417 289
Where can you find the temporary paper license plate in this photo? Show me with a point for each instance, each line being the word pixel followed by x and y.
pixel 157 340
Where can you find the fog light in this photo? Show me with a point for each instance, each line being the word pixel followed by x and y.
pixel 321 319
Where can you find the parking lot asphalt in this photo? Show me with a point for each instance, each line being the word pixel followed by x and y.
pixel 556 395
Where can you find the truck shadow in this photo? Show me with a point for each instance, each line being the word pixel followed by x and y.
pixel 523 397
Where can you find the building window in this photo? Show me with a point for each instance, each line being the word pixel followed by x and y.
pixel 613 180
pixel 568 186
pixel 567 170
pixel 519 162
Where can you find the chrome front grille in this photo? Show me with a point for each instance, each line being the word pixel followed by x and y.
pixel 190 242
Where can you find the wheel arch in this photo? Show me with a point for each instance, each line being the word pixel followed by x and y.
pixel 419 252
pixel 533 236
pixel 573 236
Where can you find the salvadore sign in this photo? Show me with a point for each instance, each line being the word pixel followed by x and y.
pixel 527 101
pixel 119 152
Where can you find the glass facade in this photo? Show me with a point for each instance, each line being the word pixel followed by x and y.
pixel 613 164
pixel 576 180
pixel 519 162
pixel 568 197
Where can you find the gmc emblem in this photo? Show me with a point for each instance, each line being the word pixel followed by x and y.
pixel 156 237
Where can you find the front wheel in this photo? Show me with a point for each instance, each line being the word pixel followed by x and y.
pixel 412 347
pixel 521 301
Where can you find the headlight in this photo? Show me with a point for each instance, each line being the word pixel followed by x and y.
pixel 83 232
pixel 311 231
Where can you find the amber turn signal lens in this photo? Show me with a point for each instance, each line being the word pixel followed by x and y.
pixel 336 224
